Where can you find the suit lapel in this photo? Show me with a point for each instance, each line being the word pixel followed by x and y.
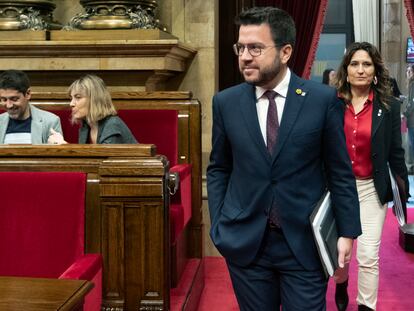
pixel 84 133
pixel 4 122
pixel 377 116
pixel 249 112
pixel 294 100
pixel 36 126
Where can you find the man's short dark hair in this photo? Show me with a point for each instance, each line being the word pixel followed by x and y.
pixel 281 23
pixel 14 80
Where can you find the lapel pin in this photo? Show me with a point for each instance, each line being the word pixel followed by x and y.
pixel 300 92
pixel 379 112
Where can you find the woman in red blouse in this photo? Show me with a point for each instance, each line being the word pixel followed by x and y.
pixel 372 129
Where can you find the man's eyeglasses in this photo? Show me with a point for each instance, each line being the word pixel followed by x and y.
pixel 253 50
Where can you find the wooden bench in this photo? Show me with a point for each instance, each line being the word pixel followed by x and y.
pixel 126 214
pixel 179 139
pixel 187 150
pixel 42 230
pixel 42 294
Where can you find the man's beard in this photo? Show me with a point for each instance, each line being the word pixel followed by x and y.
pixel 266 74
pixel 17 113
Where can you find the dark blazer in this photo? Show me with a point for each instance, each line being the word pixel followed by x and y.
pixel 111 130
pixel 386 147
pixel 243 178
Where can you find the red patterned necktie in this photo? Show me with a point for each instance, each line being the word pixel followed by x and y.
pixel 272 123
pixel 272 127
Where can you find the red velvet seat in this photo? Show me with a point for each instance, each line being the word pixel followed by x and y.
pixel 180 206
pixel 42 229
pixel 159 127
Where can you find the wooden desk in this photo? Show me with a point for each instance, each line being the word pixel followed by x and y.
pixel 36 294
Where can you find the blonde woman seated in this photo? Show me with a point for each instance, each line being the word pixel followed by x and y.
pixel 92 106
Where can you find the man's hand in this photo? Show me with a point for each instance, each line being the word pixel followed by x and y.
pixel 344 251
pixel 55 138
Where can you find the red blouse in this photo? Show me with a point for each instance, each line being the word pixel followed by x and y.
pixel 357 129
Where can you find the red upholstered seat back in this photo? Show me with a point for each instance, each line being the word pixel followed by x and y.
pixel 158 127
pixel 41 222
pixel 70 131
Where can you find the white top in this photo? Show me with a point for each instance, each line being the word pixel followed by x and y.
pixel 18 138
pixel 262 103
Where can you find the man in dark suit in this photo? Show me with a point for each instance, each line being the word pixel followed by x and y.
pixel 270 162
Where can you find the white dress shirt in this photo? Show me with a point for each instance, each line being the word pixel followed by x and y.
pixel 262 103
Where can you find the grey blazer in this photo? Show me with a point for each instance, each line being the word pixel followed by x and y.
pixel 42 122
pixel 111 130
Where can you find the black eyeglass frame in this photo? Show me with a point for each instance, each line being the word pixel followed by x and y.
pixel 238 49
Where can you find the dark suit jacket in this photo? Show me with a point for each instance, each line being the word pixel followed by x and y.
pixel 386 148
pixel 243 179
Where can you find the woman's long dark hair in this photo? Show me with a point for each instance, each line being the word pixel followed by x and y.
pixel 382 88
pixel 325 76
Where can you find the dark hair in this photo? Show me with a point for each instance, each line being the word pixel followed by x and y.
pixel 281 23
pixel 382 88
pixel 325 75
pixel 14 80
pixel 394 87
pixel 412 68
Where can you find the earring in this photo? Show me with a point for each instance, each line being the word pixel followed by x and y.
pixel 347 79
pixel 375 80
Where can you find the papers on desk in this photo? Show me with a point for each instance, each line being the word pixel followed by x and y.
pixel 325 233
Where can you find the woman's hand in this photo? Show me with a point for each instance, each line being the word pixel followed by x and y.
pixel 55 138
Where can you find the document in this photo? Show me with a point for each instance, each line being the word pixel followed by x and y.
pixel 398 203
pixel 326 234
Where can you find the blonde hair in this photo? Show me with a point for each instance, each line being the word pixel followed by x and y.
pixel 99 100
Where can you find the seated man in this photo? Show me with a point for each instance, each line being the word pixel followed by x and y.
pixel 22 123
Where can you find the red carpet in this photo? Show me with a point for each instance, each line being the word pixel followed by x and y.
pixel 396 291
pixel 179 294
